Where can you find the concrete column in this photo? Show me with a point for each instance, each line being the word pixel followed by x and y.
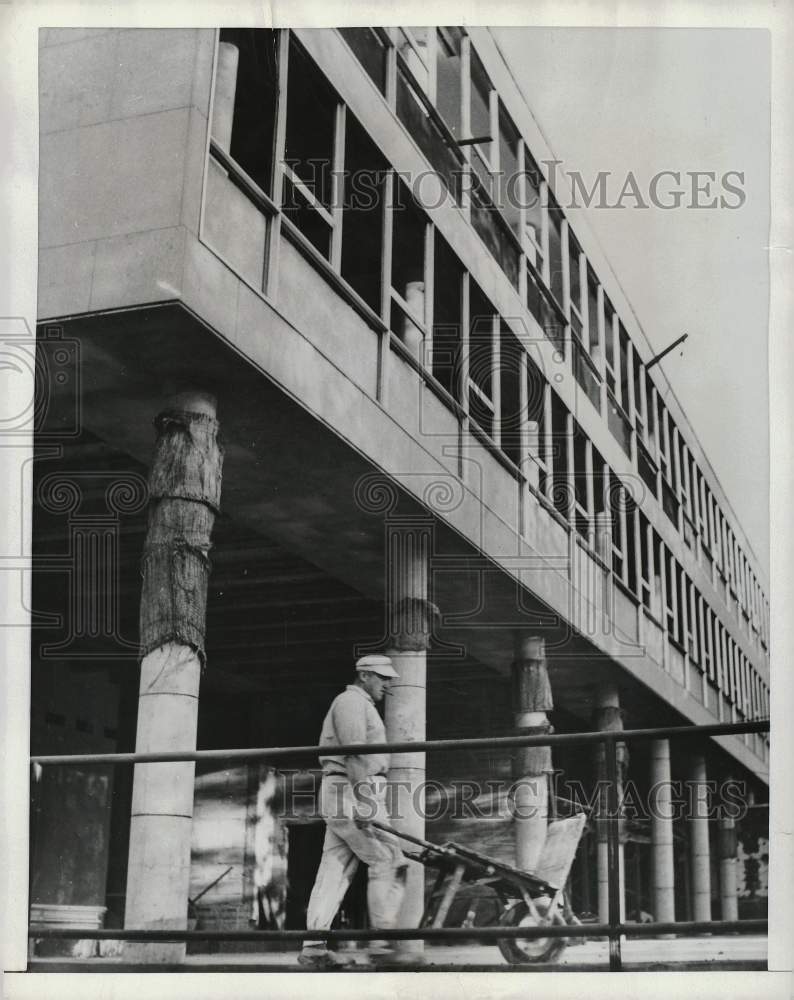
pixel 224 94
pixel 184 493
pixel 729 904
pixel 700 864
pixel 609 718
pixel 411 625
pixel 532 765
pixel 662 833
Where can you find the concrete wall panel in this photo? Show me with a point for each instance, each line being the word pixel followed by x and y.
pixel 91 184
pixel 141 267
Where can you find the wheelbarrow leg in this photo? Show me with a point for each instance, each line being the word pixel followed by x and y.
pixel 450 890
pixel 434 900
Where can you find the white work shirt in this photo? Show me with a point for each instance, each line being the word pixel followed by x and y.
pixel 353 718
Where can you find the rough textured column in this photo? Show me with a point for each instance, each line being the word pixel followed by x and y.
pixel 662 833
pixel 609 718
pixel 729 904
pixel 410 628
pixel 184 493
pixel 700 862
pixel 532 765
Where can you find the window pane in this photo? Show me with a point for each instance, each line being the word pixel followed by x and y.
pixel 481 314
pixel 311 116
pixel 480 104
pixel 592 313
pixel 534 215
pixel 448 82
pixel 427 135
pixel 415 55
pixel 573 258
pixel 492 230
pixel 252 124
pixel 306 218
pixel 370 52
pixel 362 222
pixel 447 289
pixel 507 188
pixel 555 250
pixel 408 244
pixel 510 352
pixel 609 340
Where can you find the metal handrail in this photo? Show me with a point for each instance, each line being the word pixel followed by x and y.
pixel 362 749
pixel 613 930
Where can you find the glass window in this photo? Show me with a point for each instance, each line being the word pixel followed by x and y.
pixel 574 254
pixel 248 65
pixel 592 313
pixel 447 316
pixel 412 46
pixel 555 250
pixel 370 51
pixel 311 125
pixel 448 78
pixel 507 186
pixel 362 220
pixel 510 416
pixel 481 317
pixel 534 208
pixel 409 227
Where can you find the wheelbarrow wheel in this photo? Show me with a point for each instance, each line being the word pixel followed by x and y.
pixel 520 951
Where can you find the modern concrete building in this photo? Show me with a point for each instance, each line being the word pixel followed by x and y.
pixel 430 391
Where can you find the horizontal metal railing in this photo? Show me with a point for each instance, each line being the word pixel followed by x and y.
pixel 613 930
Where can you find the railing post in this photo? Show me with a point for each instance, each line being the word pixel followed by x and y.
pixel 613 855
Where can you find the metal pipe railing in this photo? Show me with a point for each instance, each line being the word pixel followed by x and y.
pixel 410 933
pixel 614 929
pixel 361 749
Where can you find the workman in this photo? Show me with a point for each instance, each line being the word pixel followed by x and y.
pixel 352 794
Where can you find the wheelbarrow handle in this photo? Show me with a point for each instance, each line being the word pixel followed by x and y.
pixel 427 844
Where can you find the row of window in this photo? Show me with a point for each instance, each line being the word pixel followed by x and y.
pixel 308 157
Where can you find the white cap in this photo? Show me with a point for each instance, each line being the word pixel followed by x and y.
pixel 377 664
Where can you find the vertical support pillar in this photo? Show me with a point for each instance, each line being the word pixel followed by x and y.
pixel 410 628
pixel 184 493
pixel 662 833
pixel 531 765
pixel 609 718
pixel 700 862
pixel 729 904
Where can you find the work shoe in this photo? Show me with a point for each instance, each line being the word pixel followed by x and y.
pixel 323 960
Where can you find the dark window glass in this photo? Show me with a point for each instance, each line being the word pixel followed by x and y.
pixel 481 314
pixel 492 230
pixel 586 375
pixel 311 123
pixel 647 468
pixel 370 51
pixel 573 271
pixel 592 312
pixel 618 424
pixel 254 116
pixel 448 81
pixel 560 494
pixel 408 243
pixel 428 136
pixel 447 292
pixel 510 352
pixel 555 250
pixel 306 218
pixel 362 222
pixel 481 88
pixel 507 187
pixel 543 311
pixel 532 196
pixel 609 340
pixel 625 375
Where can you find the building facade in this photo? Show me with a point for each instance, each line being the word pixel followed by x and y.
pixel 431 391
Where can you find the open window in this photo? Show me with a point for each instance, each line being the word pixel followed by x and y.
pixel 408 309
pixel 448 274
pixel 533 213
pixel 370 50
pixel 244 103
pixel 449 69
pixel 362 214
pixel 482 330
pixel 511 416
pixel 506 191
pixel 313 111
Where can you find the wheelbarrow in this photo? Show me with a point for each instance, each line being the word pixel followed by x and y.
pixel 526 899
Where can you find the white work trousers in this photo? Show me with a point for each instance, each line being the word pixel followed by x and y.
pixel 345 845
